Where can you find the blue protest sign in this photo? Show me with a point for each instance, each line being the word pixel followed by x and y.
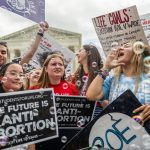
pixel 30 9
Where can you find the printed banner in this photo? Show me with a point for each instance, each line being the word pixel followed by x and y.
pixel 27 117
pixel 114 127
pixel 145 20
pixel 31 9
pixel 73 114
pixel 46 47
pixel 121 26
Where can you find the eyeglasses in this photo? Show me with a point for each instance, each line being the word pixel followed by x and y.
pixel 15 74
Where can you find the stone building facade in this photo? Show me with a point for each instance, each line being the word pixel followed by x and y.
pixel 18 42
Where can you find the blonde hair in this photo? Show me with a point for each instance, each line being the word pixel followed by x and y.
pixel 27 83
pixel 44 81
pixel 140 52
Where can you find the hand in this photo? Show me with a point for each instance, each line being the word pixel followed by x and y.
pixel 144 110
pixel 112 60
pixel 43 26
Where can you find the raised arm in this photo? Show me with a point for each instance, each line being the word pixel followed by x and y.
pixel 26 58
pixel 95 90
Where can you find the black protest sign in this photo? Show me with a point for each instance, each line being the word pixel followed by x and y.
pixel 114 128
pixel 27 117
pixel 73 111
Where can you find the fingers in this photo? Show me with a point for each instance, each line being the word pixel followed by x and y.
pixel 146 119
pixel 44 26
pixel 146 113
pixel 139 109
pixel 145 109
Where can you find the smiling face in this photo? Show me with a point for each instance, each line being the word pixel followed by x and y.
pixel 13 77
pixel 55 68
pixel 82 56
pixel 34 75
pixel 3 54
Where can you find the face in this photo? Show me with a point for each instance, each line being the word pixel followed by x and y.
pixel 125 53
pixel 3 54
pixel 55 68
pixel 82 56
pixel 13 78
pixel 34 75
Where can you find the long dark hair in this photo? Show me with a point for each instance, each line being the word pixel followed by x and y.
pixel 94 64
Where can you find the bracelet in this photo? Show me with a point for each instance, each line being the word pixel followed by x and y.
pixel 103 73
pixel 40 34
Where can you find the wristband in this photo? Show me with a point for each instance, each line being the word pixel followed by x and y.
pixel 103 73
pixel 40 34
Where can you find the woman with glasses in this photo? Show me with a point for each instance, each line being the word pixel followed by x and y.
pixel 12 76
pixel 53 76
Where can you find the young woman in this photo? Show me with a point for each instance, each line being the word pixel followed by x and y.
pixel 90 63
pixel 32 77
pixel 11 75
pixel 52 76
pixel 129 74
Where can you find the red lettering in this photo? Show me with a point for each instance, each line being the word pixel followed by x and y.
pixel 145 22
pixel 117 18
pixel 100 21
pixel 126 17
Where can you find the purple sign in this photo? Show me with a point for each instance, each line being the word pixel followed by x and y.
pixel 31 9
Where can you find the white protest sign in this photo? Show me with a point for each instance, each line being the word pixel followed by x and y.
pixel 46 47
pixel 145 20
pixel 118 131
pixel 120 26
pixel 27 117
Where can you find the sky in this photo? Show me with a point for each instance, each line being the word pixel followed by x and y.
pixel 72 15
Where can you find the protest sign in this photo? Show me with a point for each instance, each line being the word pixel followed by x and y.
pixel 46 47
pixel 27 117
pixel 114 127
pixel 145 20
pixel 73 114
pixel 30 9
pixel 73 111
pixel 120 27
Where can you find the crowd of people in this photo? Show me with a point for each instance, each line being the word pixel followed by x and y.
pixel 92 78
